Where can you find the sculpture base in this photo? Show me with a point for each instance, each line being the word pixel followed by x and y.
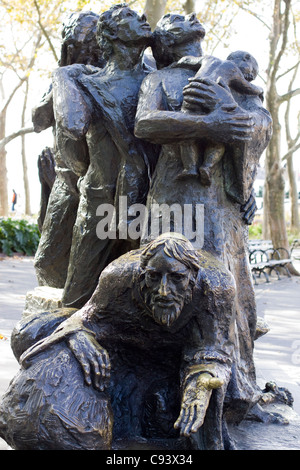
pixel 42 299
pixel 252 435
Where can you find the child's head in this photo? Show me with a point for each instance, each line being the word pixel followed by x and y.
pixel 246 63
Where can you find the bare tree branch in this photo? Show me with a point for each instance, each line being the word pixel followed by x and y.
pixel 255 15
pixel 14 135
pixel 288 71
pixel 24 78
pixel 12 94
pixel 220 38
pixel 44 31
pixel 189 6
pixel 290 153
pixel 290 141
pixel 285 27
pixel 290 94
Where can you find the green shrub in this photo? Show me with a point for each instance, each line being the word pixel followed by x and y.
pixel 255 231
pixel 18 236
pixel 293 235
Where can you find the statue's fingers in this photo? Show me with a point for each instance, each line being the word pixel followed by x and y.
pixel 102 370
pixel 199 92
pixel 97 375
pixel 195 102
pixel 247 206
pixel 193 107
pixel 199 418
pixel 85 367
pixel 203 81
pixel 243 139
pixel 188 422
pixel 249 215
pixel 229 107
pixel 204 98
pixel 178 422
pixel 242 120
pixel 105 363
pixel 253 206
pixel 198 87
pixel 83 361
pixel 241 131
pixel 252 211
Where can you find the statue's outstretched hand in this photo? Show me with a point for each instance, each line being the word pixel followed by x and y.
pixel 195 401
pixel 93 359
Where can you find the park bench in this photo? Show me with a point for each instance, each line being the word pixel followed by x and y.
pixel 264 259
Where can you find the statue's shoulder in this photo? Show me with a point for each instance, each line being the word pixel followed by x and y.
pixel 117 283
pixel 74 71
pixel 153 78
pixel 214 276
pixel 122 271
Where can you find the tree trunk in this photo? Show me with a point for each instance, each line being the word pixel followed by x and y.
pixel 274 171
pixel 292 143
pixel 275 179
pixel 295 223
pixel 3 170
pixel 154 10
pixel 23 152
pixel 276 186
pixel 25 178
pixel 189 6
pixel 265 225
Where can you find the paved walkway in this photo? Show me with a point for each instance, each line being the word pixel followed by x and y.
pixel 277 354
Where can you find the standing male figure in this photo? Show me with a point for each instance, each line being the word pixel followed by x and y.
pixel 101 105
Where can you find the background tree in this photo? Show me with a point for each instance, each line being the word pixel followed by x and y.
pixel 293 135
pixel 275 183
pixel 154 10
pixel 23 152
pixel 15 66
pixel 293 144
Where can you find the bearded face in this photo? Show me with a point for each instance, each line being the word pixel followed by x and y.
pixel 167 288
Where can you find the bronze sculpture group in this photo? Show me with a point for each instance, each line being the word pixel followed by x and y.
pixel 154 345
